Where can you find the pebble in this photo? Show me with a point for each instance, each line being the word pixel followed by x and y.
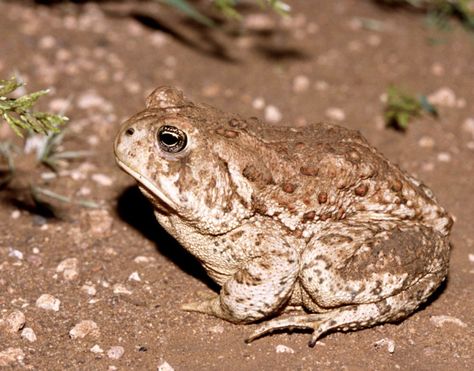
pixel 385 341
pixel 144 259
pixel 115 352
pixel 102 180
pixel 258 22
pixel 280 348
pixel 28 334
pixel 59 105
pixel 15 253
pixel 47 42
pixel 15 214
pixel 334 113
pixel 69 268
pixel 443 97
pixel 468 126
pixel 96 349
pixel 272 114
pixel 11 355
pixel 258 103
pixel 165 366
pixel 439 321
pixel 134 277
pixel 471 258
pixel 83 329
pixel 321 85
pixel 48 302
pixel 121 289
pixel 444 157
pixel 211 90
pixel 437 69
pixel 300 83
pixel 426 142
pixel 89 290
pixel 91 99
pixel 15 321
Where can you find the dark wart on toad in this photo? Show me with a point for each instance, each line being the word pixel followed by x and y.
pixel 311 227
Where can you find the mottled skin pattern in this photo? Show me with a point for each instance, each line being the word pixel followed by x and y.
pixel 312 220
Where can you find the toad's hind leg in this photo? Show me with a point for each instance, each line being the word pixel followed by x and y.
pixel 355 317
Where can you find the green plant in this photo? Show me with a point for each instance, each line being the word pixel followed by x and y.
pixel 18 113
pixel 402 107
pixel 226 7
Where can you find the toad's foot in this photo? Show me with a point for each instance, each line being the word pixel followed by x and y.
pixel 319 323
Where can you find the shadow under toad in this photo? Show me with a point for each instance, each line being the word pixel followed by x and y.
pixel 134 209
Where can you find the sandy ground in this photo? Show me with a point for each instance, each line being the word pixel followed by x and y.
pixel 115 279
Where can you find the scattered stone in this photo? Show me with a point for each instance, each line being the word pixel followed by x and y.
pixel 321 85
pixel 102 180
pixel 258 103
pixel 91 100
pixel 14 322
pixel 374 40
pixel 280 348
pixel 121 289
pixel 439 321
pixel 11 355
pixel 300 84
pixel 100 222
pixel 28 334
pixel 96 349
pixel 272 114
pixel 471 258
pixel 165 366
pixel 15 214
pixel 115 352
pixel 47 42
pixel 444 157
pixel 217 329
pixel 48 302
pixel 144 259
pixel 426 142
pixel 334 113
pixel 89 290
pixel 69 268
pixel 385 341
pixel 211 90
pixel 17 254
pixel 134 277
pixel 60 105
pixel 468 126
pixel 443 97
pixel 83 329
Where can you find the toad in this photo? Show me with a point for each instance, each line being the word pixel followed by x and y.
pixel 308 228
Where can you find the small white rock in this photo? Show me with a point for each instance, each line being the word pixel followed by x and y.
pixel 439 321
pixel 385 341
pixel 426 142
pixel 28 334
pixel 468 126
pixel 258 103
pixel 165 366
pixel 89 290
pixel 217 329
pixel 69 268
pixel 300 83
pixel 443 97
pixel 83 329
pixel 48 302
pixel 115 352
pixel 280 348
pixel 96 349
pixel 100 222
pixel 444 157
pixel 321 85
pixel 334 113
pixel 471 258
pixel 121 289
pixel 102 180
pixel 15 321
pixel 14 253
pixel 144 259
pixel 272 114
pixel 134 277
pixel 15 214
pixel 437 69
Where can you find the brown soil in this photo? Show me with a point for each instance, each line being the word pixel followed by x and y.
pixel 105 58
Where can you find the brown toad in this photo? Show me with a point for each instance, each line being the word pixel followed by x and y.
pixel 311 219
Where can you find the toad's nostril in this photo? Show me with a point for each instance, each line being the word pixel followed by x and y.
pixel 130 131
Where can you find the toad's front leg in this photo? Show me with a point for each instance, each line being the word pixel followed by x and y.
pixel 259 288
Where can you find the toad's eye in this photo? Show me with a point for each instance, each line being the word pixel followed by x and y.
pixel 171 139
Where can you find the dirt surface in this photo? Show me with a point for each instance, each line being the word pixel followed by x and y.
pixel 115 266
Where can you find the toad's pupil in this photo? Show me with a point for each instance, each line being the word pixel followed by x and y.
pixel 169 139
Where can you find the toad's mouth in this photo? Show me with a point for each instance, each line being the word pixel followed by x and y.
pixel 148 188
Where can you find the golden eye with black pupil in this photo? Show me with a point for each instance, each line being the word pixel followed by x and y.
pixel 171 139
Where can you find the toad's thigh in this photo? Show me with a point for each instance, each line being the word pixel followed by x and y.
pixel 352 264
